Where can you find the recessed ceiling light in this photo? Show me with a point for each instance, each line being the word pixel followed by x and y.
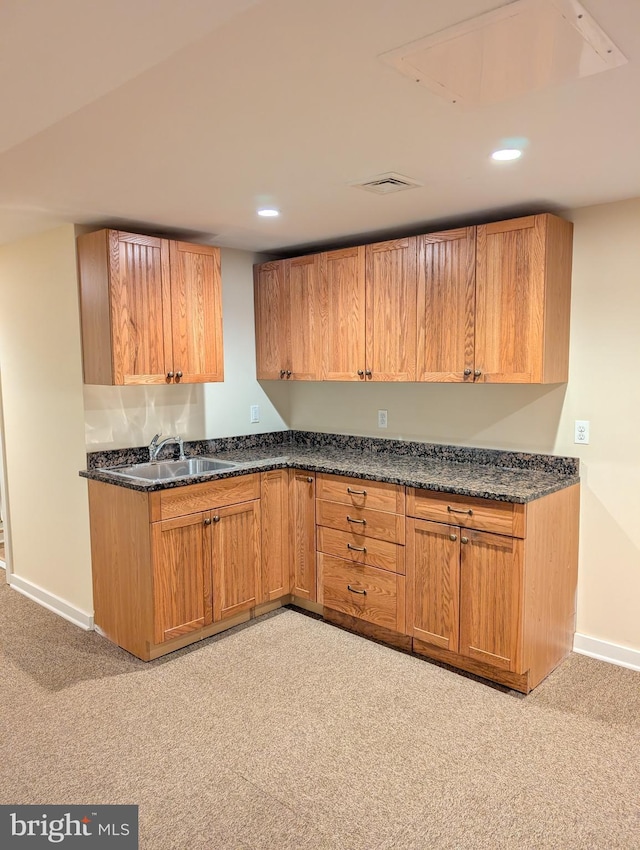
pixel 506 154
pixel 268 213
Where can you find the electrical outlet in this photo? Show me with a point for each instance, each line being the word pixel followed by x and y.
pixel 255 412
pixel 382 419
pixel 582 431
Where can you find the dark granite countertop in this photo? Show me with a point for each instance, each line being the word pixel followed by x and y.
pixel 485 473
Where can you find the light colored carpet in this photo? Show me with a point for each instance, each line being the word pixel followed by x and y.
pixel 290 733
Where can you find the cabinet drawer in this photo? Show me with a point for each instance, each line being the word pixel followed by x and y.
pixel 361 521
pixel 374 595
pixel 361 493
pixel 361 549
pixel 466 511
pixel 166 504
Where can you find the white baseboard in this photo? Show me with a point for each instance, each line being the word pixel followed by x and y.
pixel 53 603
pixel 623 656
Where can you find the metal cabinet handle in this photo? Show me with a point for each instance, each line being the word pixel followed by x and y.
pixel 357 548
pixel 453 537
pixel 361 372
pixel 207 521
pixel 477 373
pixel 355 590
pixel 367 373
pixel 359 521
pixel 467 372
pixel 458 511
pixel 288 373
pixel 464 539
pixel 178 375
pixel 169 375
pixel 283 372
pixel 309 479
pixel 356 492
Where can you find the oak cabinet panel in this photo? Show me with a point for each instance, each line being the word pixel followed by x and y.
pixel 235 556
pixel 151 310
pixel 287 300
pixel 303 533
pixel 274 514
pixel 181 584
pixel 446 305
pixel 523 292
pixel 273 332
pixel 342 276
pixel 433 576
pixel 491 599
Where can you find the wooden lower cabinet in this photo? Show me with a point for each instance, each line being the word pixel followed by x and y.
pixel 162 580
pixel 180 555
pixel 500 606
pixel 276 546
pixel 302 506
pixel 235 558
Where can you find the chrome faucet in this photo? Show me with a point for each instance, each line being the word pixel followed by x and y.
pixel 155 446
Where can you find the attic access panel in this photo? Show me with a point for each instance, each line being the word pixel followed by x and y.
pixel 519 48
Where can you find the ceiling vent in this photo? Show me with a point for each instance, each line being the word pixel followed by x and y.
pixel 521 47
pixel 385 184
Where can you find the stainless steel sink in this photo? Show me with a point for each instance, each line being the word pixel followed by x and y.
pixel 164 470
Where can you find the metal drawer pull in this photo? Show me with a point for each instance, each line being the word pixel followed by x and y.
pixel 354 590
pixel 457 511
pixel 453 537
pixel 216 518
pixel 309 479
pixel 357 548
pixel 360 521
pixel 356 492
pixel 464 539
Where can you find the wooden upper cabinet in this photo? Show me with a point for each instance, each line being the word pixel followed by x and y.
pixel 391 310
pixel 304 303
pixel 342 275
pixel 287 303
pixel 523 292
pixel 273 332
pixel 196 302
pixel 151 310
pixel 446 305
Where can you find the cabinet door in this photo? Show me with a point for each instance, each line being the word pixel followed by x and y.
pixel 343 288
pixel 446 305
pixel 274 515
pixel 303 531
pixel 140 313
pixel 491 599
pixel 433 578
pixel 391 310
pixel 181 576
pixel 235 546
pixel 510 300
pixel 196 313
pixel 272 320
pixel 305 361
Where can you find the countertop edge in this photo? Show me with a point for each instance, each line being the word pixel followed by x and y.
pixel 557 482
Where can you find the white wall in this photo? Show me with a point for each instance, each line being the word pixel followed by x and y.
pixel 118 417
pixel 44 419
pixel 602 387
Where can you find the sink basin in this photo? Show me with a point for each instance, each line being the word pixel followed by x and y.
pixel 164 470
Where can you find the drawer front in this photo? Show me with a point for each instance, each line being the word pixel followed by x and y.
pixel 362 521
pixel 365 592
pixel 360 493
pixel 202 497
pixel 468 512
pixel 361 549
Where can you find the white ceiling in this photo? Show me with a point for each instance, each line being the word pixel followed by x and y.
pixel 184 117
